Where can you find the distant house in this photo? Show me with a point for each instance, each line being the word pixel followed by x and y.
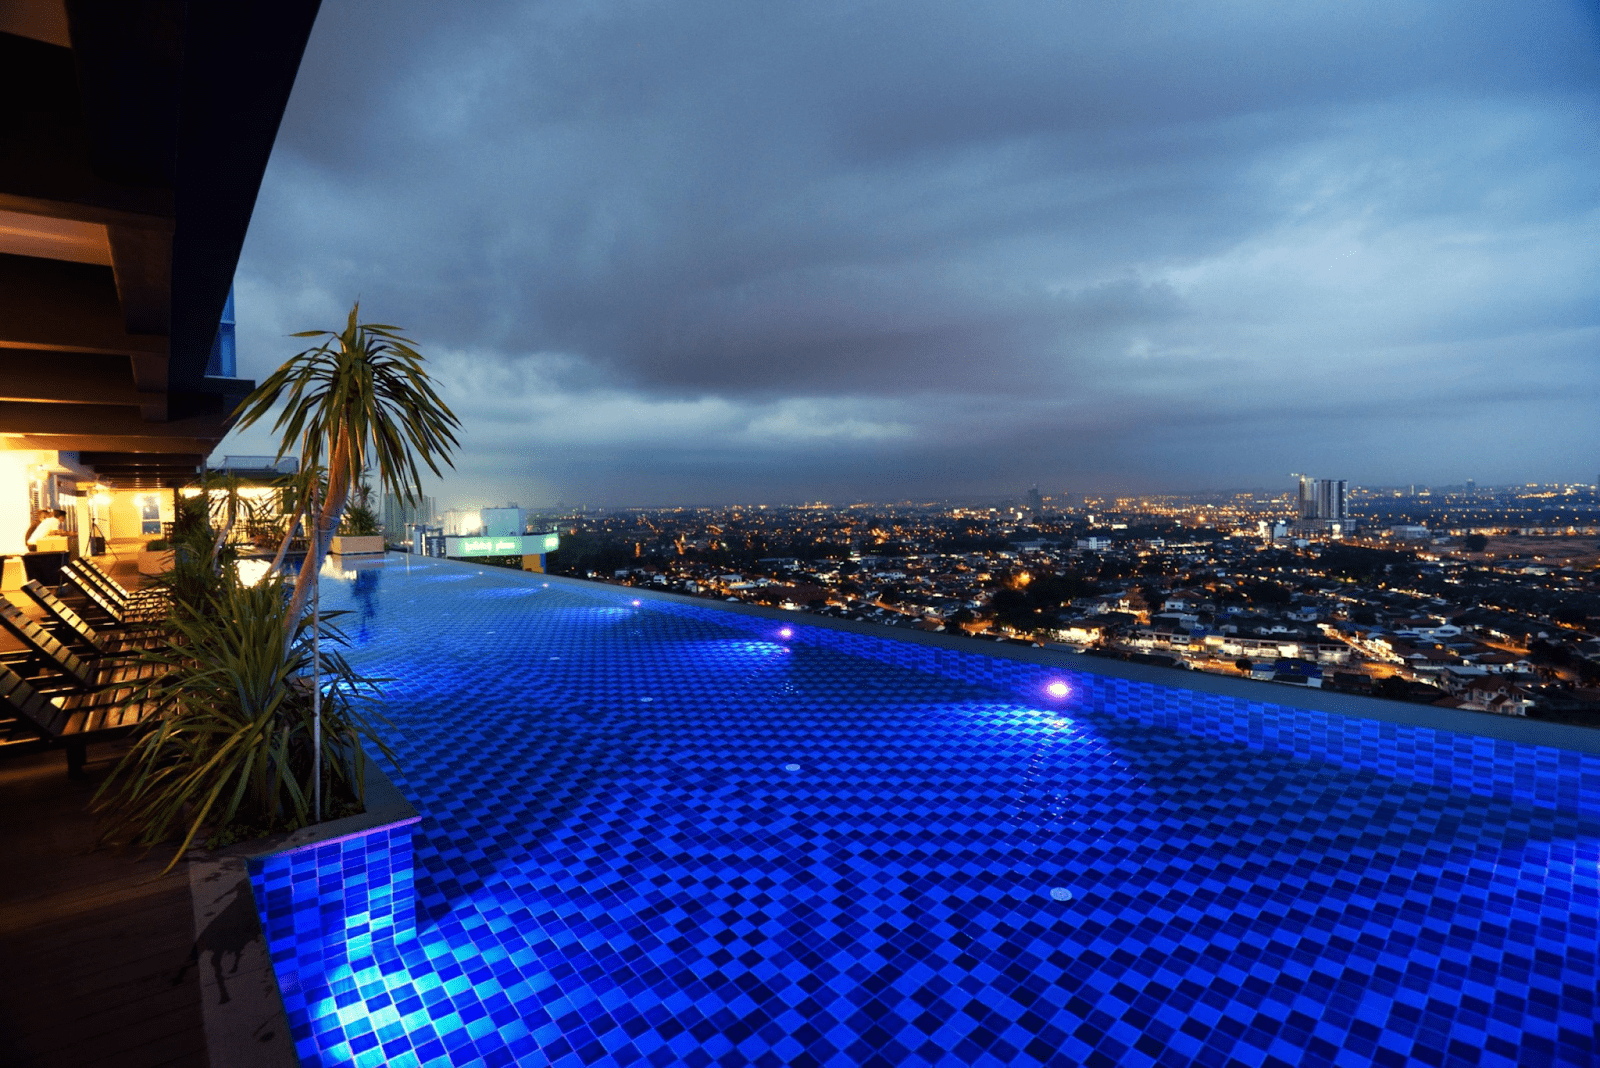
pixel 1351 682
pixel 1498 695
pixel 1431 629
pixel 1296 672
pixel 1083 631
pixel 1410 532
pixel 1500 662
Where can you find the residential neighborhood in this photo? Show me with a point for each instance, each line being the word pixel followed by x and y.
pixel 1481 599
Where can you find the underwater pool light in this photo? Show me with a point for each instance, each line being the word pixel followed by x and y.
pixel 636 604
pixel 786 632
pixel 1057 689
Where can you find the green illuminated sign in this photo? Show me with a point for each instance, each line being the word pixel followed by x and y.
pixel 507 545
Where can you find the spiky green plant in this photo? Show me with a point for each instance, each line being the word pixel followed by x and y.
pixel 232 750
pixel 294 496
pixel 359 518
pixel 199 562
pixel 227 503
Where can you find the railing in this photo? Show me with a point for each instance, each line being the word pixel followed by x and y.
pixel 286 466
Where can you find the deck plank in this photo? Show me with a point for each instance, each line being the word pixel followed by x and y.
pixel 93 944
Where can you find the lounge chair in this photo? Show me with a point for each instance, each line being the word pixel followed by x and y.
pixel 106 640
pixel 148 595
pixel 72 718
pixel 87 673
pixel 104 602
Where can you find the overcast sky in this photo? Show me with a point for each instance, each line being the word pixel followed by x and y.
pixel 666 251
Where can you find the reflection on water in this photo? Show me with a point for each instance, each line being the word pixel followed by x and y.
pixel 364 590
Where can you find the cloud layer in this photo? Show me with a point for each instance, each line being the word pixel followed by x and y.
pixel 680 252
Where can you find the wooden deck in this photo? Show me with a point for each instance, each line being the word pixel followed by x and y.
pixel 93 945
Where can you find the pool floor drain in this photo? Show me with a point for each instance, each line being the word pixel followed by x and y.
pixel 791 767
pixel 1060 893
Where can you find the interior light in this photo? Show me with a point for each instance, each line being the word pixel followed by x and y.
pixel 251 572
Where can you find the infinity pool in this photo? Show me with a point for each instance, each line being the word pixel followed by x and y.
pixel 664 833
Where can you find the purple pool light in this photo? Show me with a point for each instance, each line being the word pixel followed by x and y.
pixel 636 604
pixel 1057 689
pixel 786 632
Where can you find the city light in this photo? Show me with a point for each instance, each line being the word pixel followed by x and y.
pixel 1204 582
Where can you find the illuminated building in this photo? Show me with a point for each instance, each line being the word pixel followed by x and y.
pixel 1320 507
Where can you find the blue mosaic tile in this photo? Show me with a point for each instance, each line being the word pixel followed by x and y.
pixel 661 834
pixel 362 885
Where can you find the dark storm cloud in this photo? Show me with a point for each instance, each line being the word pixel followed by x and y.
pixel 662 250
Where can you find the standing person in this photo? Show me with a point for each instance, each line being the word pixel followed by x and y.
pixel 47 527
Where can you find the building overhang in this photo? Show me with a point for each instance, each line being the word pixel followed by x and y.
pixel 139 131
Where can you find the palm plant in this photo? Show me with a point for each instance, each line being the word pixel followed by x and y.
pixel 294 496
pixel 358 400
pixel 199 559
pixel 239 734
pixel 228 504
pixel 359 518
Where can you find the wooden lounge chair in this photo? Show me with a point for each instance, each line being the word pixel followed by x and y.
pixel 106 640
pixel 89 674
pixel 146 595
pixel 72 718
pixel 103 602
pixel 149 595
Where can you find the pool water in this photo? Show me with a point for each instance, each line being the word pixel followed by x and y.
pixel 661 834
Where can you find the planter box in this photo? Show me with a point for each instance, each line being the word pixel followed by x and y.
pixel 155 563
pixel 359 869
pixel 357 545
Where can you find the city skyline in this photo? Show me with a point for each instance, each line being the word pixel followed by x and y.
pixel 712 253
pixel 1358 504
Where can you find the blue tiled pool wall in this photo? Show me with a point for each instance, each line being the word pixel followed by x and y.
pixel 1559 779
pixel 364 884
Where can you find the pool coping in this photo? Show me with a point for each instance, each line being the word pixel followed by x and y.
pixel 1454 720
pixel 242 1012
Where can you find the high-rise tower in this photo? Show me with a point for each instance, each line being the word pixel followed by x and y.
pixel 1320 506
pixel 398 514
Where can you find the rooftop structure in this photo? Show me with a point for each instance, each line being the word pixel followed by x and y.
pixel 137 136
pixel 137 140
